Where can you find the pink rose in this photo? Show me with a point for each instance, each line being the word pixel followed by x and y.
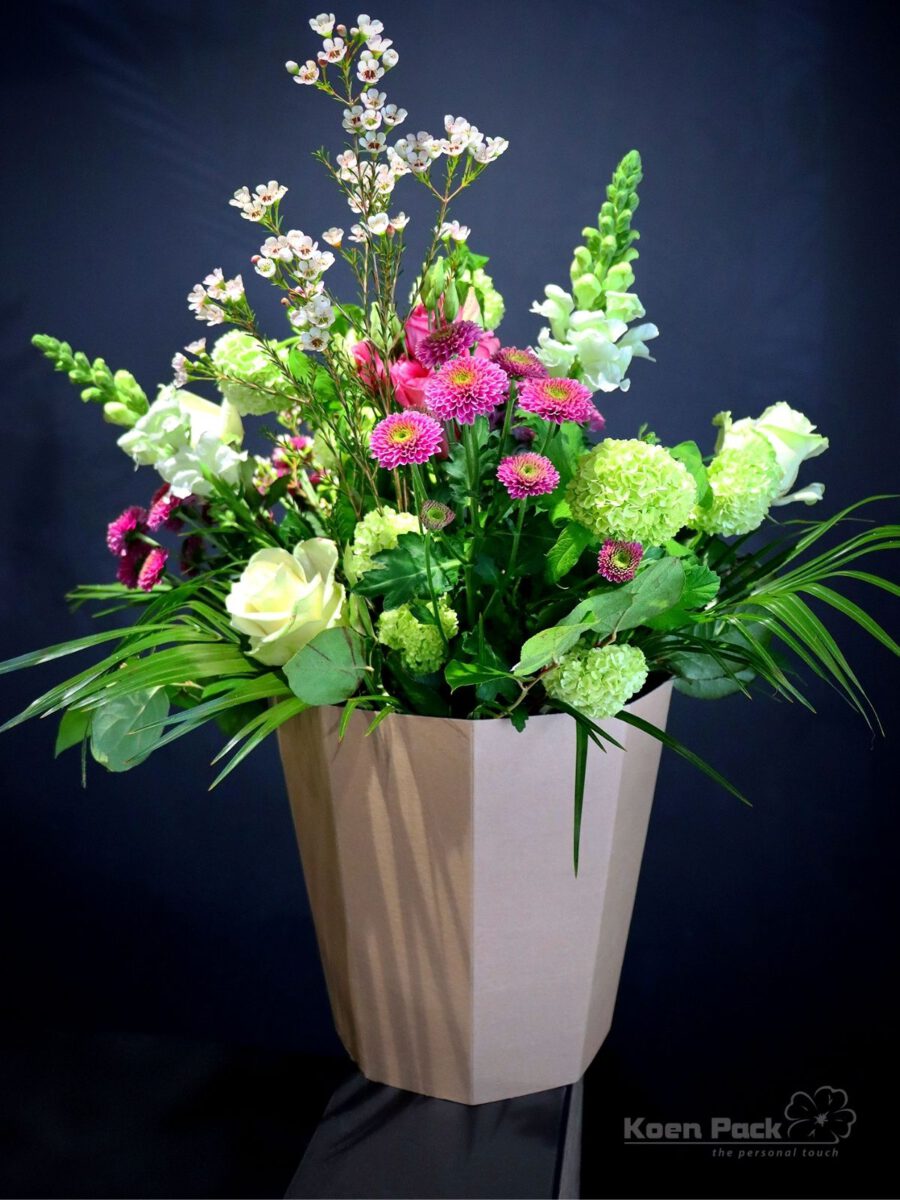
pixel 416 328
pixel 487 345
pixel 369 364
pixel 408 378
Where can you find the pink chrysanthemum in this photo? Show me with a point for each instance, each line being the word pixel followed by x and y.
pixel 525 475
pixel 118 532
pixel 163 508
pixel 520 364
pixel 129 563
pixel 558 400
pixel 619 561
pixel 465 389
pixel 446 342
pixel 405 437
pixel 152 568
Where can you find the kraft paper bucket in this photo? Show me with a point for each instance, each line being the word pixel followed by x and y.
pixel 463 958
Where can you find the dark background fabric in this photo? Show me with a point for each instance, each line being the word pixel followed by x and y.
pixel 763 946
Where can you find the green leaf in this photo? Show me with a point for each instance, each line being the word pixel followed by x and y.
pixel 567 550
pixel 581 749
pixel 689 454
pixel 400 574
pixel 49 653
pixel 118 741
pixel 468 674
pixel 548 646
pixel 701 586
pixel 329 669
pixel 257 731
pixel 301 366
pixel 421 692
pixel 674 744
pixel 73 729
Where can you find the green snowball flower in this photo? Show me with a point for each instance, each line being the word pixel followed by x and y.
pixel 598 681
pixel 420 644
pixel 377 531
pixel 631 491
pixel 744 481
pixel 240 356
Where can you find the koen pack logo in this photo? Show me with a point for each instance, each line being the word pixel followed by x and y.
pixel 812 1126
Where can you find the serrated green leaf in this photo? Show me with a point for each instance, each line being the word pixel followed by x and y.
pixel 400 575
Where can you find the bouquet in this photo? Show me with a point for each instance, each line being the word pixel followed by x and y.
pixel 437 522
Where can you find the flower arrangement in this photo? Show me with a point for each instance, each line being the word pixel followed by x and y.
pixel 441 524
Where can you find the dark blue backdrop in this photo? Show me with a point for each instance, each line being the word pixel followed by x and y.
pixel 763 941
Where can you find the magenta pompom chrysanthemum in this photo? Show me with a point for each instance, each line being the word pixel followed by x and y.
pixel 465 389
pixel 558 400
pixel 162 511
pixel 132 520
pixel 405 437
pixel 519 364
pixel 445 343
pixel 619 561
pixel 152 568
pixel 525 475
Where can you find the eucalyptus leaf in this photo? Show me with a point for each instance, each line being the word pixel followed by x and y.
pixel 329 669
pixel 125 729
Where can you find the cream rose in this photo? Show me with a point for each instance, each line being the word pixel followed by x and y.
pixel 791 435
pixel 282 600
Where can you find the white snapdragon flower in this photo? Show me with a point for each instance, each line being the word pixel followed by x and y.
pixel 378 224
pixel 556 309
pixel 264 266
pixel 558 357
pixel 307 74
pixel 368 27
pixel 392 115
pixel 277 247
pixel 333 236
pixel 181 433
pixel 333 50
pixel 270 193
pixel 368 69
pixel 322 24
pixel 372 98
pixel 453 229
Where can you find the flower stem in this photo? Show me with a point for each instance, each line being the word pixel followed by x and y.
pixel 419 493
pixel 471 449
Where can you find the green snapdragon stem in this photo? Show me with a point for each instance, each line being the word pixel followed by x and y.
pixel 517 537
pixel 419 493
pixel 471 449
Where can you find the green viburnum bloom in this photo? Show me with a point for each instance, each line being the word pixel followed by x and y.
pixel 377 531
pixel 744 480
pixel 599 680
pixel 420 644
pixel 631 491
pixel 241 357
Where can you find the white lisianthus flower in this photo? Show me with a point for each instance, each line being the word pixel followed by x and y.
pixel 182 433
pixel 790 434
pixel 282 601
pixel 556 309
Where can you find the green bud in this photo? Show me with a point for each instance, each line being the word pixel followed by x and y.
pixel 451 303
pixel 115 413
pixel 92 395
